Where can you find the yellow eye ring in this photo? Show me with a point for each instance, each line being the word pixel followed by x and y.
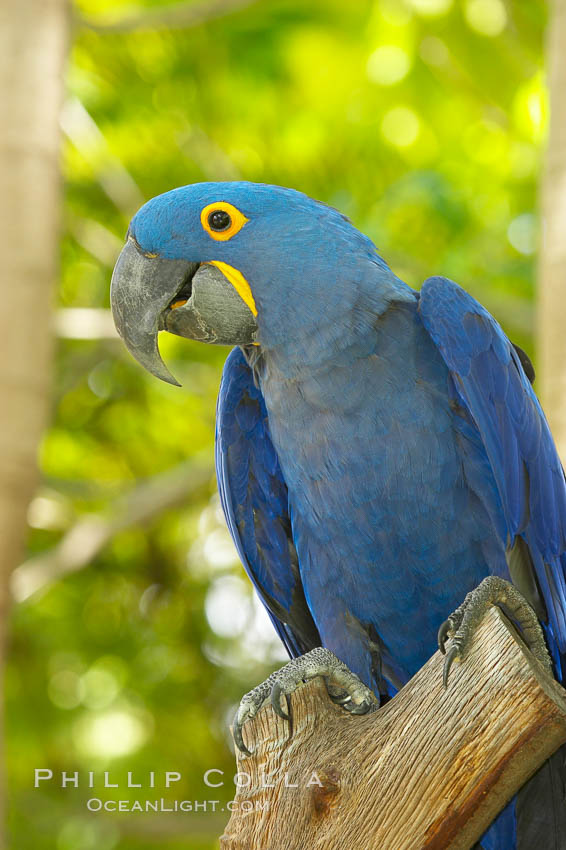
pixel 222 220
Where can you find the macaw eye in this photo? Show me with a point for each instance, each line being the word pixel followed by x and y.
pixel 219 220
pixel 222 220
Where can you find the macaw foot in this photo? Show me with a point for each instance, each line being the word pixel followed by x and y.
pixel 462 624
pixel 343 686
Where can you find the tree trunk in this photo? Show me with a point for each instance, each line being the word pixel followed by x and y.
pixel 551 308
pixel 33 45
pixel 429 770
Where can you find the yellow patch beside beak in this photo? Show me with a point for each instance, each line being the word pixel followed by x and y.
pixel 238 281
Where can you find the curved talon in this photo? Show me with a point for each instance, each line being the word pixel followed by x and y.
pixel 358 708
pixel 443 635
pixel 276 693
pixel 238 739
pixel 340 699
pixel 451 655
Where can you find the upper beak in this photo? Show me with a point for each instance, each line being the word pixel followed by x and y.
pixel 151 293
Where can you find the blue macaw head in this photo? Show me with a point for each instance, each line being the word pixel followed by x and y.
pixel 239 264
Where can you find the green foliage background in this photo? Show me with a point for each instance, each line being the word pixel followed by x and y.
pixel 423 121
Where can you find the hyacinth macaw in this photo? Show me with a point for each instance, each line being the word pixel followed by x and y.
pixel 380 452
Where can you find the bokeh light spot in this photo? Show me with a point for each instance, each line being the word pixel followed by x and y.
pixel 227 606
pixel 487 17
pixel 400 126
pixel 433 51
pixel 388 65
pixel 65 689
pixel 100 688
pixel 111 734
pixel 218 549
pixel 522 233
pixel 530 108
pixel 430 8
pixel 393 12
pixel 49 511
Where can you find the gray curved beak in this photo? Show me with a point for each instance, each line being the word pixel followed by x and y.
pixel 142 287
pixel 150 293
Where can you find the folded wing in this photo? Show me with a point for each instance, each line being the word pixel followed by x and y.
pixel 489 380
pixel 254 499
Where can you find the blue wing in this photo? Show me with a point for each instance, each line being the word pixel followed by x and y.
pixel 489 381
pixel 255 503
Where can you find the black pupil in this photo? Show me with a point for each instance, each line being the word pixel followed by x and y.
pixel 219 220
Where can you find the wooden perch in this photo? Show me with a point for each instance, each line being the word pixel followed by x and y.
pixel 428 771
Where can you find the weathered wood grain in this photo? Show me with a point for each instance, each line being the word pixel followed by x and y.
pixel 431 769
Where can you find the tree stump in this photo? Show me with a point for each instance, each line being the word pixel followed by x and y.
pixel 429 770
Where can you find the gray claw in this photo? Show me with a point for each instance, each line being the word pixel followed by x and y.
pixel 276 694
pixel 451 655
pixel 238 739
pixel 344 686
pixel 361 708
pixel 443 635
pixel 339 697
pixel 462 624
